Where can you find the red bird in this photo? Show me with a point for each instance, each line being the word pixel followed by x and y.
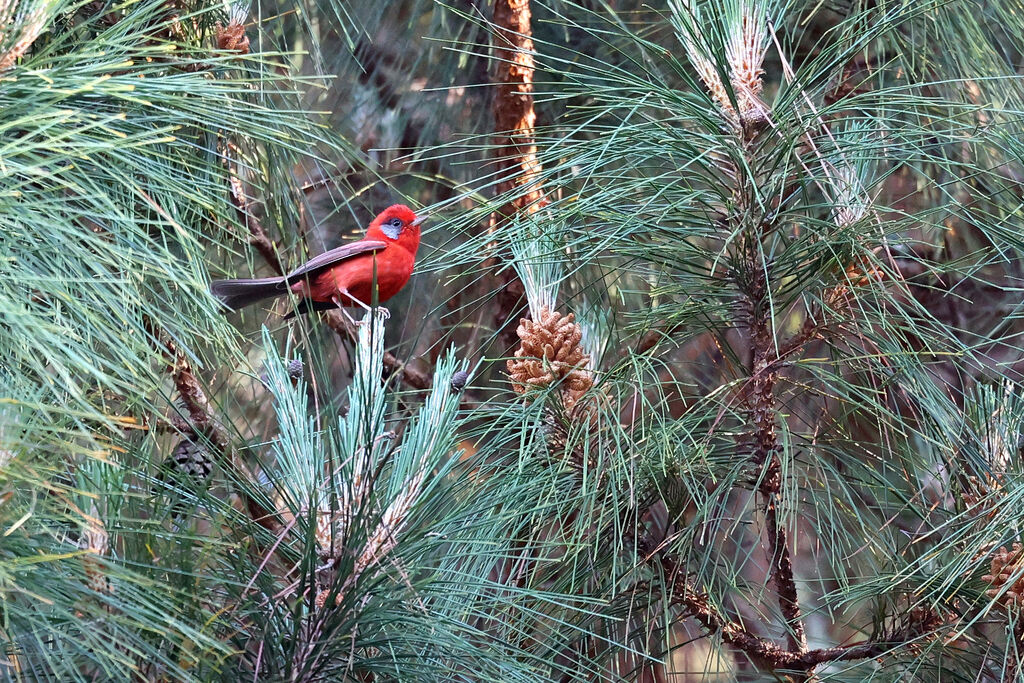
pixel 342 276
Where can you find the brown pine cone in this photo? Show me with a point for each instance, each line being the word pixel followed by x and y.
pixel 1006 563
pixel 550 353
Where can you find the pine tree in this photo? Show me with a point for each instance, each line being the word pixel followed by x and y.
pixel 710 369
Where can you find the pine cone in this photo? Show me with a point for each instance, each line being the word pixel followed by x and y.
pixel 295 369
pixel 232 37
pixel 459 381
pixel 550 353
pixel 190 459
pixel 1006 563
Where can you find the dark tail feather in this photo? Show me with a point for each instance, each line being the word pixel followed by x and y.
pixel 308 306
pixel 237 294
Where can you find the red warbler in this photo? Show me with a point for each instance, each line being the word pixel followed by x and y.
pixel 343 276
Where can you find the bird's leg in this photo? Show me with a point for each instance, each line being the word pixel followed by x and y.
pixel 341 307
pixel 383 311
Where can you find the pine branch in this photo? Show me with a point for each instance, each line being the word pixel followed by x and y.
pixel 515 139
pixel 763 652
pixel 257 235
pixel 761 405
pixel 514 116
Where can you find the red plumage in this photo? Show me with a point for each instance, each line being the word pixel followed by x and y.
pixel 344 275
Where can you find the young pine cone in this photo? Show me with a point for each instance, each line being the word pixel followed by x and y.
pixel 189 466
pixel 1006 563
pixel 190 460
pixel 550 353
pixel 459 381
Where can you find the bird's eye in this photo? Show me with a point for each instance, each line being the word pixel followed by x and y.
pixel 392 228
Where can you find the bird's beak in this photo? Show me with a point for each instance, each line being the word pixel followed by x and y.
pixel 419 220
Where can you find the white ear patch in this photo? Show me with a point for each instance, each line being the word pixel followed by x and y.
pixel 392 231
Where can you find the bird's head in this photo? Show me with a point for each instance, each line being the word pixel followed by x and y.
pixel 396 224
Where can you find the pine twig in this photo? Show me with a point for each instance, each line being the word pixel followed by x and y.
pixel 763 652
pixel 257 236
pixel 760 403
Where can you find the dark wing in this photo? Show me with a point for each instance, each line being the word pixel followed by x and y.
pixel 332 257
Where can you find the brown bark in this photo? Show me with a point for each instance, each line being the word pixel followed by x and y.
pixel 517 167
pixel 764 653
pixel 761 406
pixel 514 117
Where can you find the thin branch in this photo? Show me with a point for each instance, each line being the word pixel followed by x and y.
pixel 761 406
pixel 203 421
pixel 762 651
pixel 257 236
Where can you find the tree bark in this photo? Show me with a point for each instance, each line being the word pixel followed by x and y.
pixel 517 168
pixel 514 117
